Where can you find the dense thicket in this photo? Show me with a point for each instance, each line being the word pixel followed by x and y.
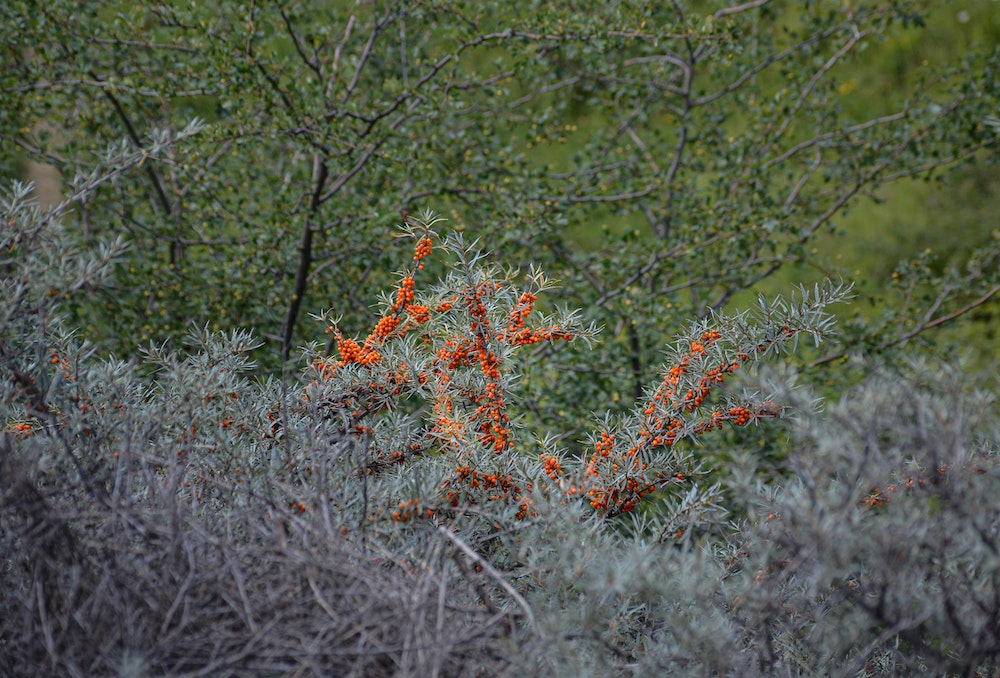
pixel 479 471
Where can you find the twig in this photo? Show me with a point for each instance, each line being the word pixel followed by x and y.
pixel 491 571
pixel 920 328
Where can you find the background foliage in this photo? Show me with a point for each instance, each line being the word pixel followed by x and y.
pixel 205 171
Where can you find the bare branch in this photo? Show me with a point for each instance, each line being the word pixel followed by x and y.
pixel 490 570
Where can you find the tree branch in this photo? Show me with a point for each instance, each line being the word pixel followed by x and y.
pixel 305 258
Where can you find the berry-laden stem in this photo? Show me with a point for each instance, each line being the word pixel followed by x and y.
pixel 470 329
pixel 630 461
pixel 457 362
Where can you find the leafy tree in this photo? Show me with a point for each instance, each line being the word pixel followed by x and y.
pixel 715 141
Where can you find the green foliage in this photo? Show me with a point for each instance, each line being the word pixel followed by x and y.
pixel 715 144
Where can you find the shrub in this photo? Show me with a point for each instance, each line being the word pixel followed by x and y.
pixel 877 554
pixel 174 514
pixel 147 518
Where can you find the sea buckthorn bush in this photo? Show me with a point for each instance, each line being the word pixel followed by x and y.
pixel 385 513
pixel 877 554
pixel 640 470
